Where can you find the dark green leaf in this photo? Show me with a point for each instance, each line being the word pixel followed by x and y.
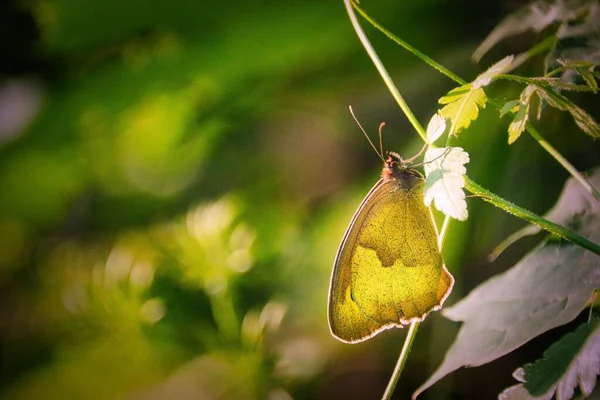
pixel 585 121
pixel 560 84
pixel 572 361
pixel 546 372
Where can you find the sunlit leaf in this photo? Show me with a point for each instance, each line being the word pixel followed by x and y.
pixel 462 106
pixel 455 94
pixel 571 362
pixel 435 128
pixel 549 287
pixel 445 170
pixel 519 122
pixel 498 68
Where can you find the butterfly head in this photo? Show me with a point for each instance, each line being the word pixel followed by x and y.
pixel 395 168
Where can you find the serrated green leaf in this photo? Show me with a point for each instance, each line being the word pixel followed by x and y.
pixel 547 288
pixel 573 64
pixel 519 122
pixel 462 110
pixel 560 84
pixel 572 361
pixel 508 107
pixel 588 77
pixel 455 94
pixel 584 120
pixel 543 374
pixel 445 170
pixel 548 97
pixel 498 68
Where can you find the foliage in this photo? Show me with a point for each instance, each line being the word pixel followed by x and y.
pixel 572 362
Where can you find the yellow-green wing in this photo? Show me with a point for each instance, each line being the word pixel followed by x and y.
pixel 388 270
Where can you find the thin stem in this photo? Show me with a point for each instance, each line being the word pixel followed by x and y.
pixel 544 83
pixel 545 45
pixel 407 46
pixel 410 337
pixel 592 303
pixel 383 72
pixel 563 161
pixel 443 232
pixel 527 215
pixel 529 127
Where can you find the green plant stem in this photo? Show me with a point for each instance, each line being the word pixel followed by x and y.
pixel 541 83
pixel 545 45
pixel 383 72
pixel 410 337
pixel 563 161
pixel 527 215
pixel 429 61
pixel 529 127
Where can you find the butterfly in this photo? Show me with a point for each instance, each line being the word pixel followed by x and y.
pixel 388 271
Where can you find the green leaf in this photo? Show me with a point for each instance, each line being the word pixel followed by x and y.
pixel 498 68
pixel 572 361
pixel 455 94
pixel 519 122
pixel 462 106
pixel 547 288
pixel 445 170
pixel 560 84
pixel 508 107
pixel 585 121
pixel 574 64
pixel 521 116
pixel 588 77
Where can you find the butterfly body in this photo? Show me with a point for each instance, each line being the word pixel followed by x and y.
pixel 388 270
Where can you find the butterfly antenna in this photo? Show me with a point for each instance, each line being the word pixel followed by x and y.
pixel 430 161
pixel 365 133
pixel 381 138
pixel 417 155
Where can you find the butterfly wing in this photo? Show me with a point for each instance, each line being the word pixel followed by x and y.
pixel 388 270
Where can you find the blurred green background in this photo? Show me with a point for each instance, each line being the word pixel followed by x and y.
pixel 175 179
